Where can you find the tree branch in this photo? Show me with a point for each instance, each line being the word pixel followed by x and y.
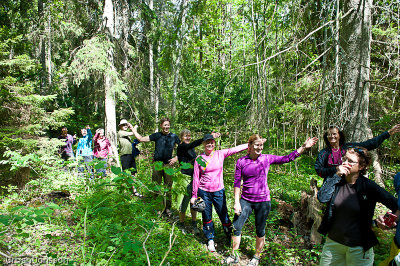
pixel 297 44
pixel 170 243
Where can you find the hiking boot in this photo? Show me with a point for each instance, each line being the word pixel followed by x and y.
pixel 254 261
pixel 231 260
pixel 211 246
pixel 195 230
pixel 181 226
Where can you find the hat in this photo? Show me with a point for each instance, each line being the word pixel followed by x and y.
pixel 123 121
pixel 208 137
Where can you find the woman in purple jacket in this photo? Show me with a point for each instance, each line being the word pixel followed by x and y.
pixel 253 170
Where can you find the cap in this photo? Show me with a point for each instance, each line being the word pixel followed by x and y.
pixel 208 137
pixel 123 121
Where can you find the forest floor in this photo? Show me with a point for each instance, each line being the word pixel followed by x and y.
pixel 100 223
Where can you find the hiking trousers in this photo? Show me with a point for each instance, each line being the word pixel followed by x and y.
pixel 218 200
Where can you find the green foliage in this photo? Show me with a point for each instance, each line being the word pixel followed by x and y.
pixel 92 61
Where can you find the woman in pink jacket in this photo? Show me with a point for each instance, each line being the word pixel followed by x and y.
pixel 102 150
pixel 208 183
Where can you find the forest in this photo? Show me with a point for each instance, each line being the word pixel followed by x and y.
pixel 286 70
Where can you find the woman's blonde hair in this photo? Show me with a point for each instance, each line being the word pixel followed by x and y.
pixel 184 132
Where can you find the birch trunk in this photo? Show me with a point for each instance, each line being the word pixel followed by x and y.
pixel 109 101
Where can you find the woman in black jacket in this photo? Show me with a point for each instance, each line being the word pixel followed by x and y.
pixel 331 157
pixel 351 198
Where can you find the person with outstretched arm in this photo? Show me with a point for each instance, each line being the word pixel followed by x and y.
pixel 208 183
pixel 165 142
pixel 126 150
pixel 254 194
pixel 330 158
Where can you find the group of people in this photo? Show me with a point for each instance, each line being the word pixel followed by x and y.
pixel 102 151
pixel 350 196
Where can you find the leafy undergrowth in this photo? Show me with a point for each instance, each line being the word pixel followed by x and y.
pixel 66 218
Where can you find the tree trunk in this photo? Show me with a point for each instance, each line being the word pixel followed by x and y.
pixel 355 40
pixel 259 102
pixel 151 63
pixel 110 117
pixel 179 44
pixel 49 65
pixel 42 49
pixel 157 92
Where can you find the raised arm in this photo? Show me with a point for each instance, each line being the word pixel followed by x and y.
pixel 374 143
pixel 307 144
pixel 192 144
pixel 275 159
pixel 137 135
pixel 198 142
pixel 231 151
pixel 89 133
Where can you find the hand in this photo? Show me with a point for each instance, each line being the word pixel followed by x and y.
pixel 263 140
pixel 238 208
pixel 380 222
pixel 192 200
pixel 87 127
pixel 343 169
pixel 173 161
pixel 74 136
pixel 310 142
pixel 215 134
pixel 394 130
pixel 135 127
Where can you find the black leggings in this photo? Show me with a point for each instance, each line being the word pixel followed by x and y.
pixel 261 211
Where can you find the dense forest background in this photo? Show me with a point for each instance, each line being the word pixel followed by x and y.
pixel 284 69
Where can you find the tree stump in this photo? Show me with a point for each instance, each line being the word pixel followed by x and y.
pixel 308 218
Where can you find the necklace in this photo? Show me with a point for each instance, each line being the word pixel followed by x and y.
pixel 335 150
